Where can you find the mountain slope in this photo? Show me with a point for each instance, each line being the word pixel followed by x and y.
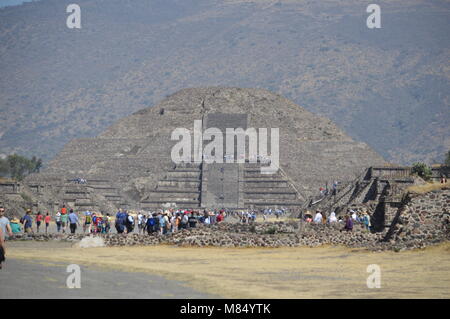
pixel 137 149
pixel 386 87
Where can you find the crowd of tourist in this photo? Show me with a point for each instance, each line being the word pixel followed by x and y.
pixel 161 221
pixel 349 219
pixel 325 191
pixel 248 216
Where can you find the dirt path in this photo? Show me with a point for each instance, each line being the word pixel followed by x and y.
pixel 26 279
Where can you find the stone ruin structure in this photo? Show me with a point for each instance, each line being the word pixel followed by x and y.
pixel 129 165
pixel 383 193
pixel 422 220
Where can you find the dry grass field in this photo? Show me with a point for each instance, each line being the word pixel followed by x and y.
pixel 428 187
pixel 323 272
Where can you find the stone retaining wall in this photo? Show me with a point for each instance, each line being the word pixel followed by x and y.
pixel 424 219
pixel 277 234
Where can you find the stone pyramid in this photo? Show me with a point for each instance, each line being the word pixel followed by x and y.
pixel 133 156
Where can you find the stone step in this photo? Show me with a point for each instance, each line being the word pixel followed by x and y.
pixel 273 202
pixel 171 190
pixel 262 186
pixel 278 188
pixel 115 200
pixel 178 175
pixel 180 204
pixel 184 188
pixel 258 175
pixel 257 164
pixel 178 184
pixel 185 170
pixel 287 190
pixel 90 204
pixel 181 179
pixel 270 196
pixel 264 178
pixel 75 185
pixel 93 180
pixel 99 186
pixel 253 170
pixel 112 196
pixel 188 166
pixel 172 197
pixel 73 197
pixel 82 200
pixel 74 200
pixel 104 188
pixel 111 191
pixel 77 192
pixel 11 193
pixel 266 184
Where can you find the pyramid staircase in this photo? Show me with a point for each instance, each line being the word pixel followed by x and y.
pixel 96 194
pixel 105 188
pixel 186 185
pixel 268 190
pixel 179 188
pixel 78 196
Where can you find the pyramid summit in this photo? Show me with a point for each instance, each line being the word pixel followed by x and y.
pixel 132 158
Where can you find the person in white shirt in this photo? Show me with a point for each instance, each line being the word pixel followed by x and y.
pixel 173 222
pixel 318 218
pixel 58 221
pixel 333 218
pixel 141 222
pixel 354 215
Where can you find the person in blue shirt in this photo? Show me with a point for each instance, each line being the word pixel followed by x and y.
pixel 120 221
pixel 73 221
pixel 27 221
pixel 150 224
pixel 162 223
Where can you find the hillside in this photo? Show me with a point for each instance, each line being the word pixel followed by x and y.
pixel 388 87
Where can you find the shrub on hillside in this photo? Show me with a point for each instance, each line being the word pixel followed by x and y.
pixel 422 170
pixel 17 167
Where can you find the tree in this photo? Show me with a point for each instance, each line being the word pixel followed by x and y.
pixel 422 170
pixel 17 167
pixel 4 167
pixel 35 164
pixel 447 159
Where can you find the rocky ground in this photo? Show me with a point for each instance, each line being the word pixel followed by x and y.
pixel 276 234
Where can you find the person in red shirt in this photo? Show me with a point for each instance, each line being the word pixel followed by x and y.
pixel 39 219
pixel 47 222
pixel 95 221
pixel 63 210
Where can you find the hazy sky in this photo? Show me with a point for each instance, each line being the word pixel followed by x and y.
pixel 4 3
